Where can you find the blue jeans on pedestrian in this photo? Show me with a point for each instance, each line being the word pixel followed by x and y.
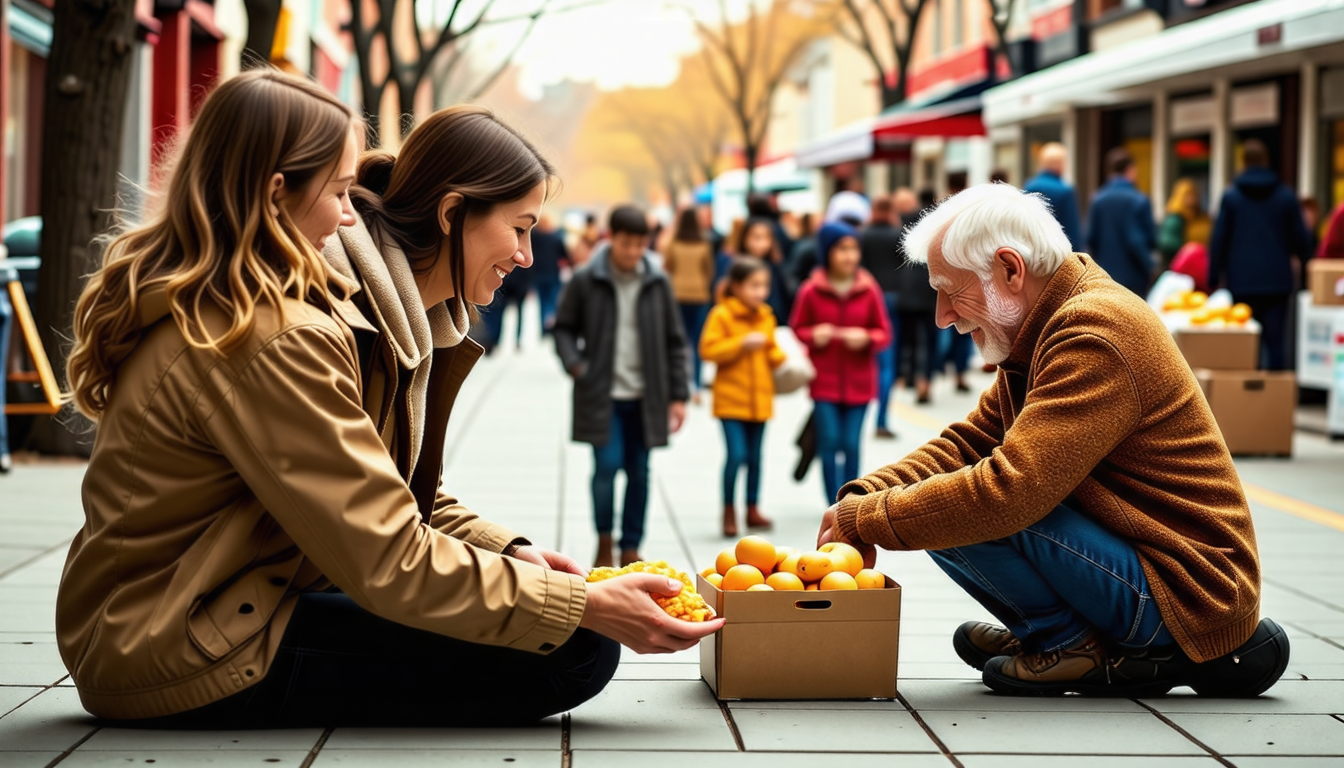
pixel 1056 581
pixel 743 440
pixel 888 362
pixel 955 347
pixel 839 429
pixel 6 330
pixel 625 450
pixel 548 293
pixel 693 321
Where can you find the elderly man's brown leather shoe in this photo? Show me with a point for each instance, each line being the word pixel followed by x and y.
pixel 976 642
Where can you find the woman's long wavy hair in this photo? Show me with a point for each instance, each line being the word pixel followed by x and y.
pixel 464 149
pixel 211 239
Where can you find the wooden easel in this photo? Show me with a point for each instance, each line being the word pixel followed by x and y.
pixel 41 373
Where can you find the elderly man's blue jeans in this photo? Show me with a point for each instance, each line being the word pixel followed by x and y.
pixel 625 451
pixel 1058 580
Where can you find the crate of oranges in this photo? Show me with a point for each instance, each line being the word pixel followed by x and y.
pixel 800 624
pixel 1212 332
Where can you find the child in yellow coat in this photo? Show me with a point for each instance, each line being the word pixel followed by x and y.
pixel 739 337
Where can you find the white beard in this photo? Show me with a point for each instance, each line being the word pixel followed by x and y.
pixel 1007 313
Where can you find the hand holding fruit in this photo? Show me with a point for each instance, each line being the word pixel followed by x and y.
pixel 624 608
pixel 829 534
pixel 753 341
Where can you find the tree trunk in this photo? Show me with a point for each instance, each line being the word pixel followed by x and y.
pixel 88 77
pixel 262 18
pixel 750 154
pixel 372 96
pixel 406 103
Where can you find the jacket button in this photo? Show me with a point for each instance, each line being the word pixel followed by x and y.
pixel 245 608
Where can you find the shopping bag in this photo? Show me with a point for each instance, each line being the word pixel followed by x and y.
pixel 796 371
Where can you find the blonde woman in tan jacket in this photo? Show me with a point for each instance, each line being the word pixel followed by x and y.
pixel 266 543
pixel 688 260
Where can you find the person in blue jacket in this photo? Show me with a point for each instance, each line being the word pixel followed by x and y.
pixel 1121 234
pixel 1049 183
pixel 1258 232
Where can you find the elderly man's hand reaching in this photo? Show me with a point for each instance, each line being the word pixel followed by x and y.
pixel 830 533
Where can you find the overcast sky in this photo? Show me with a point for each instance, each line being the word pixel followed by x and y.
pixel 614 43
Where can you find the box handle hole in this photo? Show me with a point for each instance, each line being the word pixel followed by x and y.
pixel 812 605
pixel 1254 385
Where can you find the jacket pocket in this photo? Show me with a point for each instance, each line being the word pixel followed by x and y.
pixel 229 617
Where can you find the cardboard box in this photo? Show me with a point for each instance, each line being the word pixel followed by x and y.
pixel 1325 278
pixel 837 644
pixel 1223 349
pixel 1254 409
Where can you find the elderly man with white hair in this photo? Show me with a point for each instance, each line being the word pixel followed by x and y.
pixel 1089 501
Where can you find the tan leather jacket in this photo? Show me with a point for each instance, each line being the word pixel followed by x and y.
pixel 221 487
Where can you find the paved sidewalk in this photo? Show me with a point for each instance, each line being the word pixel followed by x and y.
pixel 510 459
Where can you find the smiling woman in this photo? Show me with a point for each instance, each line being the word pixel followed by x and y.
pixel 265 541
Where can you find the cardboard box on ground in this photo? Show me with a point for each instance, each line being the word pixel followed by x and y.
pixel 1254 409
pixel 836 644
pixel 1223 349
pixel 1325 279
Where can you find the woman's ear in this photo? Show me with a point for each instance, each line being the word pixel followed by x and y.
pixel 447 206
pixel 277 188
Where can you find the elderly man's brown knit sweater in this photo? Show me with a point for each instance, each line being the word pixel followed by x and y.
pixel 1096 409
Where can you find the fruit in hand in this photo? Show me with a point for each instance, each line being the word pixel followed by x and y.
pixel 847 558
pixel 687 605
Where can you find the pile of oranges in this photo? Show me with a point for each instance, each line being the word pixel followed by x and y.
pixel 756 565
pixel 1195 304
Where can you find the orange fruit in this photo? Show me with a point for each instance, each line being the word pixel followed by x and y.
pixel 784 581
pixel 846 557
pixel 811 588
pixel 813 566
pixel 755 550
pixel 1239 313
pixel 724 561
pixel 781 553
pixel 708 571
pixel 789 564
pixel 1202 316
pixel 742 577
pixel 760 588
pixel 1196 299
pixel 715 579
pixel 1174 301
pixel 838 580
pixel 870 579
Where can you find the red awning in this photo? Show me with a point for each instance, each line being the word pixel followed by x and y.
pixel 953 119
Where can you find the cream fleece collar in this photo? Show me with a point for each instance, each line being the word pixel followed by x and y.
pixel 392 294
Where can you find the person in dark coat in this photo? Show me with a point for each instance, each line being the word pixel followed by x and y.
pixel 1258 231
pixel 1121 234
pixel 619 335
pixel 879 249
pixel 548 253
pixel 1049 183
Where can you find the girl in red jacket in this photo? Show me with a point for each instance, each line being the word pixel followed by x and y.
pixel 841 317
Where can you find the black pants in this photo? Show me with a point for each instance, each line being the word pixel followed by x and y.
pixel 339 665
pixel 1272 314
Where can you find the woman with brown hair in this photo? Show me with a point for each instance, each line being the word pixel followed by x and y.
pixel 689 262
pixel 265 541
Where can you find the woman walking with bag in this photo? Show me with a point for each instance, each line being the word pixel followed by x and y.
pixel 739 338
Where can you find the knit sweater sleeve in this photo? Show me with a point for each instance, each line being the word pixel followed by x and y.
pixel 1085 402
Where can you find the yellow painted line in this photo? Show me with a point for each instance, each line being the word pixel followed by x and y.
pixel 917 417
pixel 1286 504
pixel 1311 512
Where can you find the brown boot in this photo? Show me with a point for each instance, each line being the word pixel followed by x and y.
pixel 604 547
pixel 977 642
pixel 629 556
pixel 757 520
pixel 1083 668
pixel 729 521
pixel 922 391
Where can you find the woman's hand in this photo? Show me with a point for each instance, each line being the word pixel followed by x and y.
pixel 753 341
pixel 546 558
pixel 622 609
pixel 676 416
pixel 822 334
